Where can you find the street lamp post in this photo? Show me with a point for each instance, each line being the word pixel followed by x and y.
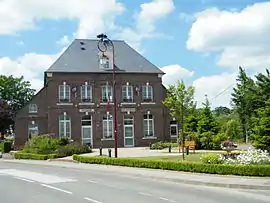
pixel 103 44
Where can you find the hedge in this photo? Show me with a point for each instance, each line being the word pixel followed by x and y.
pixel 221 169
pixel 21 155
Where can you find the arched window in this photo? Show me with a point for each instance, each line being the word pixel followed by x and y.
pixel 64 126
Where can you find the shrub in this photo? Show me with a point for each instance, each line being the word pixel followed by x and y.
pixel 72 148
pixel 211 159
pixel 162 145
pixel 228 146
pixel 41 144
pixel 5 147
pixel 248 170
pixel 21 155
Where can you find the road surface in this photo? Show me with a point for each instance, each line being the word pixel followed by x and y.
pixel 24 183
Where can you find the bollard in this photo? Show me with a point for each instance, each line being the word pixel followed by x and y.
pixel 100 151
pixel 110 152
pixel 170 148
pixel 187 150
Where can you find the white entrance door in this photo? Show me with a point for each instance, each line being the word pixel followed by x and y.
pixel 128 131
pixel 87 130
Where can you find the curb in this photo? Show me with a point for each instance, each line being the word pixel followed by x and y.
pixel 178 180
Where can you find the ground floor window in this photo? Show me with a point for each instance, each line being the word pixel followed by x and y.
pixel 173 129
pixel 32 129
pixel 148 125
pixel 64 126
pixel 107 126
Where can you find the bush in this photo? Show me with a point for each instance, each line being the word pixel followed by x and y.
pixel 41 144
pixel 162 145
pixel 21 155
pixel 5 147
pixel 211 159
pixel 248 170
pixel 72 148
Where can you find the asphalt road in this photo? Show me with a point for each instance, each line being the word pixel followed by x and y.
pixel 23 183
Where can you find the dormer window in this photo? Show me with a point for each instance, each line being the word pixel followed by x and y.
pixel 104 62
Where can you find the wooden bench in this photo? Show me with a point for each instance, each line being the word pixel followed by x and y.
pixel 190 144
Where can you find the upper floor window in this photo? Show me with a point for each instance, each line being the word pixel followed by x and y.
pixel 147 93
pixel 127 93
pixel 107 93
pixel 107 126
pixel 86 93
pixel 33 108
pixel 64 126
pixel 64 93
pixel 104 62
pixel 148 125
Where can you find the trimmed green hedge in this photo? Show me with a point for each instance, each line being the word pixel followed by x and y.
pixel 21 155
pixel 242 170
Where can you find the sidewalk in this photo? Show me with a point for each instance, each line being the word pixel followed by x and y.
pixel 255 183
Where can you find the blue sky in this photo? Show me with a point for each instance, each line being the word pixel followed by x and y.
pixel 200 41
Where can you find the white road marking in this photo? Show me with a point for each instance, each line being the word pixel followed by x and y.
pixel 92 200
pixel 30 181
pixel 55 188
pixel 166 199
pixel 34 176
pixel 145 194
pixel 92 181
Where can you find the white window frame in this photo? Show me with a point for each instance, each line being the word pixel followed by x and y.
pixel 65 89
pixel 86 119
pixel 176 126
pixel 127 93
pixel 86 93
pixel 148 121
pixel 107 98
pixel 147 93
pixel 107 121
pixel 33 108
pixel 66 120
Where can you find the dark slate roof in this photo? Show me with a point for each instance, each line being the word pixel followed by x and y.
pixel 74 59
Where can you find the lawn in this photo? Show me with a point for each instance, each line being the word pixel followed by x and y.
pixel 190 158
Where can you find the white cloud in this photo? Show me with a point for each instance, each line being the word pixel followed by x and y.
pixel 240 36
pixel 64 41
pixel 30 66
pixel 145 22
pixel 218 89
pixel 93 16
pixel 175 73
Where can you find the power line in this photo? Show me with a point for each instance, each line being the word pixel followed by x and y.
pixel 222 92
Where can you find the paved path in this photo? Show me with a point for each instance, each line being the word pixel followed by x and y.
pixel 42 184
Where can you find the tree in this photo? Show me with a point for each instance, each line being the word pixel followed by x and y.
pixel 233 130
pixel 261 130
pixel 6 116
pixel 180 101
pixel 15 91
pixel 243 98
pixel 207 122
pixel 221 110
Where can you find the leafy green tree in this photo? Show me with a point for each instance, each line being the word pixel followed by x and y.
pixel 180 101
pixel 15 91
pixel 234 130
pixel 243 98
pixel 261 130
pixel 207 122
pixel 221 110
pixel 6 116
